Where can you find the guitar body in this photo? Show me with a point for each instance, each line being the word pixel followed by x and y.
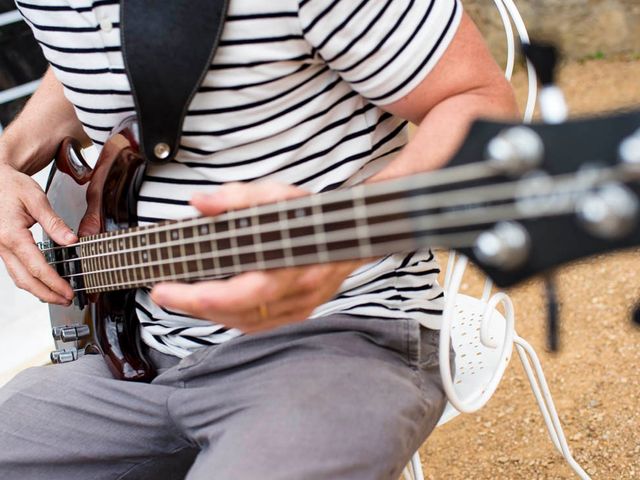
pixel 93 201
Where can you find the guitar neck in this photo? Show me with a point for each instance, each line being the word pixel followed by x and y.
pixel 357 223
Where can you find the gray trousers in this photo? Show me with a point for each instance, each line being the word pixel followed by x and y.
pixel 338 397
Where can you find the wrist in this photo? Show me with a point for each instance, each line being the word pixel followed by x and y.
pixel 24 153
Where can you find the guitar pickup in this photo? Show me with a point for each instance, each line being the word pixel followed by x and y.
pixel 70 333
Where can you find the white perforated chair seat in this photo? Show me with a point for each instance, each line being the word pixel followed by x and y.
pixel 474 362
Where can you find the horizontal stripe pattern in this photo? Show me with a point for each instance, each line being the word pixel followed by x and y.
pixel 293 95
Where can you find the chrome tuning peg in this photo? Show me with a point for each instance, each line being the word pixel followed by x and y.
pixel 609 212
pixel 506 246
pixel 515 150
pixel 629 150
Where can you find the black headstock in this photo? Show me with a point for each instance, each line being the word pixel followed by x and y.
pixel 591 166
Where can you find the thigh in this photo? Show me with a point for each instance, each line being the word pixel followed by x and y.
pixel 341 404
pixel 74 421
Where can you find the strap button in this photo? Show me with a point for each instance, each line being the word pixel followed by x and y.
pixel 162 151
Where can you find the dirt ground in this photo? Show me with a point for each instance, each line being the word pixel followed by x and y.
pixel 594 379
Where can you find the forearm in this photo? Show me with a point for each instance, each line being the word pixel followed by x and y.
pixel 30 142
pixel 444 128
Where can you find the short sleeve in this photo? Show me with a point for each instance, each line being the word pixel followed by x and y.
pixel 382 48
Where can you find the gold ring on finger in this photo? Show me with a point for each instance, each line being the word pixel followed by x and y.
pixel 263 311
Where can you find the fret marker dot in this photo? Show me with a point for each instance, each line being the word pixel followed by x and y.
pixel 121 243
pixel 174 235
pixel 145 256
pixel 143 240
pixel 244 222
pixel 204 230
pixel 299 213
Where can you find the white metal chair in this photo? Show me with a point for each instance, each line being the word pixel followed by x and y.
pixel 483 340
pixel 481 336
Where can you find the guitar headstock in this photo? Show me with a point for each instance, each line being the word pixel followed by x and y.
pixel 574 192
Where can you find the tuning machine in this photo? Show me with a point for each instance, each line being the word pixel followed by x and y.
pixel 609 212
pixel 506 246
pixel 629 150
pixel 515 150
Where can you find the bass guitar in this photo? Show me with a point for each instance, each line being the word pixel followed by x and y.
pixel 516 199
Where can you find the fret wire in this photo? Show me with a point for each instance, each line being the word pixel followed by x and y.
pixel 84 265
pixel 109 275
pixel 113 257
pixel 101 263
pixel 183 252
pixel 461 240
pixel 147 242
pixel 257 241
pixel 139 272
pixel 94 265
pixel 214 246
pixel 97 280
pixel 119 259
pixel 198 250
pixel 360 216
pixel 158 252
pixel 128 246
pixel 318 228
pixel 283 221
pixel 233 241
pixel 171 257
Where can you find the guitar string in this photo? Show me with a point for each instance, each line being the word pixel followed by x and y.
pixel 451 175
pixel 379 230
pixel 458 240
pixel 502 191
pixel 434 221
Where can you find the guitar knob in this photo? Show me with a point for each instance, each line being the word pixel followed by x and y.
pixel 70 333
pixel 610 212
pixel 506 246
pixel 66 355
pixel 629 149
pixel 515 150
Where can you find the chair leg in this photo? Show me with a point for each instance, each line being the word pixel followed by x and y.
pixel 416 466
pixel 542 394
pixel 407 473
pixel 413 470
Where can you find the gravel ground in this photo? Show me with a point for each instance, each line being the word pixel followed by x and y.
pixel 594 379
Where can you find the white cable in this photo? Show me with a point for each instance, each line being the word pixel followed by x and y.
pixel 508 30
pixel 531 72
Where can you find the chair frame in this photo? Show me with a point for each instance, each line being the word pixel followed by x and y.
pixel 527 354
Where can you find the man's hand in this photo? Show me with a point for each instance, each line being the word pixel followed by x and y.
pixel 27 146
pixel 255 301
pixel 23 204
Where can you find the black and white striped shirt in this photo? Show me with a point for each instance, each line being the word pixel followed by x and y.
pixel 292 95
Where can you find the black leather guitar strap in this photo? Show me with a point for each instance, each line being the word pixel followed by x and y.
pixel 168 46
